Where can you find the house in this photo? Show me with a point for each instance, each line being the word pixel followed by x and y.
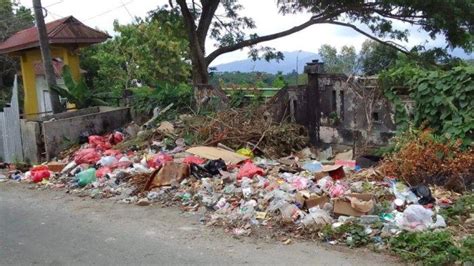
pixel 66 36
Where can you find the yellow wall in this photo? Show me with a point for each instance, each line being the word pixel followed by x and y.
pixel 28 58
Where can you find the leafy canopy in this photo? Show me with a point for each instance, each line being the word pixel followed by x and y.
pixel 152 51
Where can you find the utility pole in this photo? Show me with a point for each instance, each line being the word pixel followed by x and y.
pixel 46 56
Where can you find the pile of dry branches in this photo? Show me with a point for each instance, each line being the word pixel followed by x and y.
pixel 247 127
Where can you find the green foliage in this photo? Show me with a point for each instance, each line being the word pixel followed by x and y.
pixel 151 50
pixel 375 57
pixel 344 61
pixel 77 92
pixel 279 81
pixel 354 233
pixel 431 248
pixel 444 100
pixel 145 99
pixel 451 19
pixel 237 98
pixel 14 17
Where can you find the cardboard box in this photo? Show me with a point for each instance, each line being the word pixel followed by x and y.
pixel 307 201
pixel 343 206
pixel 314 201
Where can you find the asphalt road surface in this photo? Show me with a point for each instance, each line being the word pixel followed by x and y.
pixel 55 228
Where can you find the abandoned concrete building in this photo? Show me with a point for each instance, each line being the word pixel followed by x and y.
pixel 337 109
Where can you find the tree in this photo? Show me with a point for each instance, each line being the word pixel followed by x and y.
pixel 452 18
pixel 13 18
pixel 279 81
pixel 375 57
pixel 343 62
pixel 152 51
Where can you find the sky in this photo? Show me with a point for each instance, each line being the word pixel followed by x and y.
pixel 101 14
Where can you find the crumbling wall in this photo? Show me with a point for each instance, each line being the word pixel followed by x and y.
pixel 353 112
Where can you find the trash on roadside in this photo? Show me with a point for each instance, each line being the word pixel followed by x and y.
pixel 213 153
pixel 354 204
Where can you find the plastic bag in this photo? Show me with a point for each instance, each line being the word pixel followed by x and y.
pixel 99 142
pixel 214 166
pixel 86 177
pixel 103 171
pixel 313 167
pixel 158 159
pixel 89 156
pixel 107 161
pixel 38 173
pixel 245 152
pixel 116 138
pixel 289 212
pixel 317 217
pixel 193 159
pixel 249 170
pixel 300 183
pixel 415 218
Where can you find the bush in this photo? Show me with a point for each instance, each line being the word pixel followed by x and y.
pixel 145 99
pixel 421 157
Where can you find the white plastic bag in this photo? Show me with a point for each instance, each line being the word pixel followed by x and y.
pixel 415 218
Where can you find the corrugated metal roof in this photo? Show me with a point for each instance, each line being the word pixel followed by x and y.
pixel 67 30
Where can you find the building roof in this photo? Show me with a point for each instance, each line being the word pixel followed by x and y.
pixel 67 30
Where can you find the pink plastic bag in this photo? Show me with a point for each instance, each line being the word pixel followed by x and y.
pixel 193 159
pixel 38 173
pixel 249 170
pixel 89 156
pixel 158 159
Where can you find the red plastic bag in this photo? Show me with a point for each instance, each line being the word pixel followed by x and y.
pixel 249 170
pixel 89 156
pixel 99 142
pixel 103 171
pixel 38 173
pixel 193 159
pixel 116 138
pixel 158 159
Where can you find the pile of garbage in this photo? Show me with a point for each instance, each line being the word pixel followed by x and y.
pixel 293 196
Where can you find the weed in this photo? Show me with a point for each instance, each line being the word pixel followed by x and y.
pixel 462 208
pixel 431 248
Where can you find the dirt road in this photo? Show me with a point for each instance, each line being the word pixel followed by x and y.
pixel 55 228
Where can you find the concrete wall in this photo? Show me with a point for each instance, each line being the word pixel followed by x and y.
pixel 343 106
pixel 32 143
pixel 61 133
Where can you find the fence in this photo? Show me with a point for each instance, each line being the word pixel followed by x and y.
pixel 10 129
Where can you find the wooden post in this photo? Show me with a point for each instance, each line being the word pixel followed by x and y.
pixel 46 56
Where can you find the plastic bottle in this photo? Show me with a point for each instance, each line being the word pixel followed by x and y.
pixel 86 177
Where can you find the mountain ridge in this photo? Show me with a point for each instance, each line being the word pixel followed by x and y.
pixel 287 65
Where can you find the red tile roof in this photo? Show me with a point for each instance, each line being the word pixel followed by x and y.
pixel 67 30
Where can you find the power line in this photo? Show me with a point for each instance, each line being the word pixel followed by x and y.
pixel 110 10
pixel 126 9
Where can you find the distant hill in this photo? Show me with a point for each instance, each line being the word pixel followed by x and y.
pixel 286 66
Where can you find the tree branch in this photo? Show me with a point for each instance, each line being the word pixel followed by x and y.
pixel 388 43
pixel 250 42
